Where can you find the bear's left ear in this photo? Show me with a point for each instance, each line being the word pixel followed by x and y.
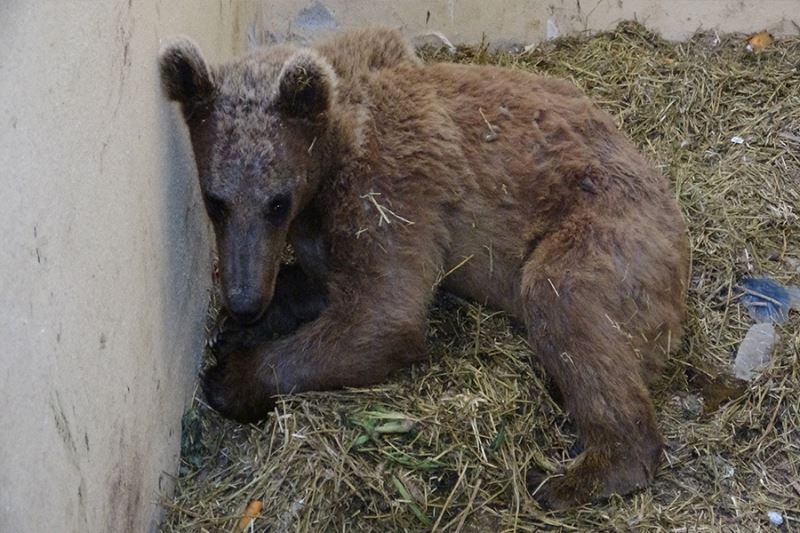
pixel 306 86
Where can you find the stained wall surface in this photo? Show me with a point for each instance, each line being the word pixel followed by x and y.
pixel 521 22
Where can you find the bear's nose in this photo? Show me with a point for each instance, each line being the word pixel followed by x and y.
pixel 245 309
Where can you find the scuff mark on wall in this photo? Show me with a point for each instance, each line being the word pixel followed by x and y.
pixel 63 428
pixel 552 29
pixel 316 17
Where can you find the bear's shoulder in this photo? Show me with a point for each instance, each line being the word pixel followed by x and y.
pixel 357 52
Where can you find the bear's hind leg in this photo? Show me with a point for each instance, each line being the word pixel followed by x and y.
pixel 577 305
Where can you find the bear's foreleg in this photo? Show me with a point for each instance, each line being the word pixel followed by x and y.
pixel 372 326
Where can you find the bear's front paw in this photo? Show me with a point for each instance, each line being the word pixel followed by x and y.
pixel 228 336
pixel 233 390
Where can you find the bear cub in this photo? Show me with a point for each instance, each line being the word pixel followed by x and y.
pixel 391 178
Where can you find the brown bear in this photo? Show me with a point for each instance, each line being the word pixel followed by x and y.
pixel 390 178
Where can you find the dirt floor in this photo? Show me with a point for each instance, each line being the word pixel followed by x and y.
pixel 445 445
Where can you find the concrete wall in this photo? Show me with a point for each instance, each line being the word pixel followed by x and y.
pixel 105 260
pixel 506 22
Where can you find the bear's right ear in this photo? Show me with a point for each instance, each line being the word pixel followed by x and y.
pixel 306 86
pixel 185 75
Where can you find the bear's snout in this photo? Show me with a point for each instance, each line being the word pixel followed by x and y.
pixel 245 306
pixel 248 265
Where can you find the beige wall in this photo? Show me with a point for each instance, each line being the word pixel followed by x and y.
pixel 105 260
pixel 505 22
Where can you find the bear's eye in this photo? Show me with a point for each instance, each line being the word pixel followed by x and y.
pixel 279 208
pixel 216 207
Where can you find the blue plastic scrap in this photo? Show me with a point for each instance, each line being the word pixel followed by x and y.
pixel 766 300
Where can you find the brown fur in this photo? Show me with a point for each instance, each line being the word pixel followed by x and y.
pixel 515 185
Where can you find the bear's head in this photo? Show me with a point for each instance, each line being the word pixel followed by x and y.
pixel 254 124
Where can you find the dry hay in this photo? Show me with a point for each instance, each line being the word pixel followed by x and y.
pixel 445 445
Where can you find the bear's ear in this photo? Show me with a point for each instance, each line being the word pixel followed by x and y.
pixel 306 86
pixel 184 73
